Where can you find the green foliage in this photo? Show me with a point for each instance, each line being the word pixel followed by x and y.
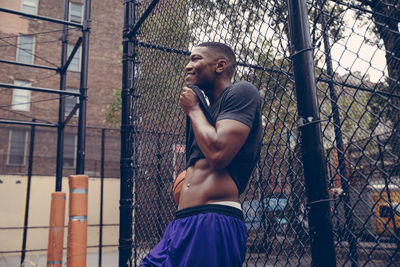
pixel 378 106
pixel 112 112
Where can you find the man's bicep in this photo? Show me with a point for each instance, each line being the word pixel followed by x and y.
pixel 232 135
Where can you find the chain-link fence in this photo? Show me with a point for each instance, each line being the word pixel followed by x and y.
pixel 15 154
pixel 27 179
pixel 356 48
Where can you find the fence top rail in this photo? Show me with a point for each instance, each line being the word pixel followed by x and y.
pixel 59 21
pixel 38 89
pixel 28 65
pixel 28 123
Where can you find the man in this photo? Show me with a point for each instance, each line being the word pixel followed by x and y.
pixel 209 229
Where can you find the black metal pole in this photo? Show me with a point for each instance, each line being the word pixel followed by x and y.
pixel 322 249
pixel 127 163
pixel 140 21
pixel 28 192
pixel 65 65
pixel 339 144
pixel 101 195
pixel 40 17
pixel 28 65
pixel 38 89
pixel 17 122
pixel 61 105
pixel 80 158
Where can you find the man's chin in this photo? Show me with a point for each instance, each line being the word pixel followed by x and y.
pixel 189 82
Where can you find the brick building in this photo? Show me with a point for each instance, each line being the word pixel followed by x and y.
pixel 38 42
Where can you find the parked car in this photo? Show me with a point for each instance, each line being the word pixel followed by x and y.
pixel 269 211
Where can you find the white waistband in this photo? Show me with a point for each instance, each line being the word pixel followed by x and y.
pixel 228 203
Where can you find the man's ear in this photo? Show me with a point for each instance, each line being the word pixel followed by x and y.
pixel 221 65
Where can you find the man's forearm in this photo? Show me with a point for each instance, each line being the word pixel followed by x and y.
pixel 207 138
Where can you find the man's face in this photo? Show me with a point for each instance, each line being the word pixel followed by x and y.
pixel 201 67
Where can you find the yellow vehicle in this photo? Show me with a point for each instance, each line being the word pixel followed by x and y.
pixel 386 210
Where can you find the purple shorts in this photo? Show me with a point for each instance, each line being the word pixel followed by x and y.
pixel 207 235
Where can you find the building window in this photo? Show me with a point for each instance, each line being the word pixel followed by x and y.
pixel 75 64
pixel 30 6
pixel 17 147
pixel 25 49
pixel 21 98
pixel 71 101
pixel 75 12
pixel 69 150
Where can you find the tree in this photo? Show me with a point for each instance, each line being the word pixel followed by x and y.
pixel 385 15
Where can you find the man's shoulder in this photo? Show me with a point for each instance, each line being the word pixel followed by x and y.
pixel 243 91
pixel 244 84
pixel 244 87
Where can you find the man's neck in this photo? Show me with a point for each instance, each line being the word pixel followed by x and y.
pixel 216 90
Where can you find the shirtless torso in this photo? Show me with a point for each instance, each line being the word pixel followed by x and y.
pixel 205 185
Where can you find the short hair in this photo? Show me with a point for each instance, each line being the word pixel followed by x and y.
pixel 226 51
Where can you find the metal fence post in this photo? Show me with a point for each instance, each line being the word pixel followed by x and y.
pixel 315 175
pixel 61 105
pixel 127 135
pixel 103 135
pixel 80 158
pixel 28 191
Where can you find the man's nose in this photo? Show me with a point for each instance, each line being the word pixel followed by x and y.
pixel 188 67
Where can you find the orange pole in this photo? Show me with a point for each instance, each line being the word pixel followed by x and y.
pixel 56 230
pixel 77 225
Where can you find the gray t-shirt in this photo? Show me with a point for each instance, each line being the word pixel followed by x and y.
pixel 241 102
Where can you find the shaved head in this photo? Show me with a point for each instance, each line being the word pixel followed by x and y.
pixel 222 50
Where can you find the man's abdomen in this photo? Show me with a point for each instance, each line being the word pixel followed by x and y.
pixel 204 185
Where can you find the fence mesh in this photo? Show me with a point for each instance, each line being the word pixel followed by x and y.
pixel 356 51
pixel 15 155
